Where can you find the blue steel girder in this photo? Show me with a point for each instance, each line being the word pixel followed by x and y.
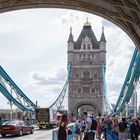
pixel 132 76
pixel 58 102
pixel 106 102
pixel 6 93
pixel 8 88
pixel 126 79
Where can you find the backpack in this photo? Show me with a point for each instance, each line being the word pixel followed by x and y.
pixel 94 124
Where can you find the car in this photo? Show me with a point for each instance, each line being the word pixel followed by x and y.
pixel 19 127
pixel 3 121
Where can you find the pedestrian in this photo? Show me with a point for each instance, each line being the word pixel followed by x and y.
pixel 99 128
pixel 123 131
pixel 62 131
pixel 93 126
pixel 82 128
pixel 0 121
pixel 88 135
pixel 107 125
pixel 72 118
pixel 77 128
pixel 134 129
pixel 65 118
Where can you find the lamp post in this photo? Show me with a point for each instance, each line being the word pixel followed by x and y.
pixel 135 99
pixel 135 103
pixel 126 104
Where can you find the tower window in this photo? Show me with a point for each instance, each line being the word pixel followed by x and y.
pixel 79 90
pixel 93 90
pixel 86 90
pixel 86 75
pixel 84 55
pixel 96 90
pixel 95 76
pixel 88 55
pixel 84 46
pixel 88 46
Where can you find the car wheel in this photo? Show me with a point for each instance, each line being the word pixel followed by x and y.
pixel 3 135
pixel 20 132
pixel 32 131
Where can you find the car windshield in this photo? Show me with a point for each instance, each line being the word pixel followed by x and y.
pixel 9 123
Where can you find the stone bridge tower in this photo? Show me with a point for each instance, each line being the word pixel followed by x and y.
pixel 85 84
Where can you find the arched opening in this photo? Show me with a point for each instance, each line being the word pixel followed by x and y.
pixel 73 5
pixel 86 108
pixel 47 55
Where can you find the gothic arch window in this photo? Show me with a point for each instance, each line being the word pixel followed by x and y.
pixel 88 46
pixel 95 76
pixel 84 46
pixel 84 55
pixel 79 90
pixel 86 89
pixel 89 55
pixel 86 75
pixel 76 75
pixel 96 90
pixel 93 90
pixel 79 55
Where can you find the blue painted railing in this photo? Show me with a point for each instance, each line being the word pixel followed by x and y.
pixel 111 135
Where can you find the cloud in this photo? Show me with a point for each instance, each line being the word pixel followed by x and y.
pixel 46 83
pixel 56 76
pixel 108 24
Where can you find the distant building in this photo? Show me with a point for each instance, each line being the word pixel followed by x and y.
pixel 17 114
pixel 86 56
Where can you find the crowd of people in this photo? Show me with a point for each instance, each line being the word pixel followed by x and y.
pixel 89 127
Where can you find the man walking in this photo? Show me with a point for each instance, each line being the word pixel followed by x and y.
pixel 90 127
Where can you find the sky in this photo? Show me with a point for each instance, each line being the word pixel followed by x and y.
pixel 33 51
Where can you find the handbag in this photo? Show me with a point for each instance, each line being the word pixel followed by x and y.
pixel 69 132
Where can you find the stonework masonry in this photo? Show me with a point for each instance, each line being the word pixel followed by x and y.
pixel 86 56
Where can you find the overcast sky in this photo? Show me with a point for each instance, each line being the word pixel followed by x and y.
pixel 33 51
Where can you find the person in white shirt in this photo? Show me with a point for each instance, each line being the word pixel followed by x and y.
pixel 88 132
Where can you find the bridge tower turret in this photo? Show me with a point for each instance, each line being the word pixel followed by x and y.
pixel 85 82
pixel 70 47
pixel 102 47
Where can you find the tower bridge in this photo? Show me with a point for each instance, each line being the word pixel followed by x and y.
pixel 86 56
pixel 85 80
pixel 86 89
pixel 123 13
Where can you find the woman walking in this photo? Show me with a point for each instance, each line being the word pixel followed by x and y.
pixel 62 131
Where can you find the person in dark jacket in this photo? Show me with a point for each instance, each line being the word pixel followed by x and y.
pixel 134 129
pixel 0 121
pixel 123 131
pixel 62 131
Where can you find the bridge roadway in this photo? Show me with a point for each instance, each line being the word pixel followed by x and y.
pixel 42 134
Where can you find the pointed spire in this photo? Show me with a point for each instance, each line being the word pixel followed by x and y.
pixel 103 36
pixel 70 36
pixel 87 23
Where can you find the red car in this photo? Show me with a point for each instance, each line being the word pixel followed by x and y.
pixel 15 127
